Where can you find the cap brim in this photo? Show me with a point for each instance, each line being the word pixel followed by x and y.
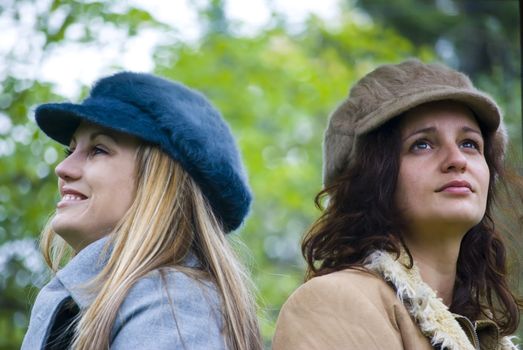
pixel 59 121
pixel 484 108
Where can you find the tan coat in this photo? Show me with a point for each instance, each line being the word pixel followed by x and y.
pixel 354 309
pixel 346 310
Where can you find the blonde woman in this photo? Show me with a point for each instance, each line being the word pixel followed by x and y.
pixel 151 182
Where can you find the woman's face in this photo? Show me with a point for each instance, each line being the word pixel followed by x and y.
pixel 96 182
pixel 443 178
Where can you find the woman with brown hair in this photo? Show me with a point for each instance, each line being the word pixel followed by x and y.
pixel 407 254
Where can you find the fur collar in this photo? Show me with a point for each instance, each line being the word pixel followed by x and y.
pixel 432 316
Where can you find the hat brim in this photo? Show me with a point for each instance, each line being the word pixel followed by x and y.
pixel 59 121
pixel 483 107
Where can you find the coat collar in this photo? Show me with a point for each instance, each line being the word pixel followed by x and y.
pixel 88 263
pixel 430 313
pixel 82 268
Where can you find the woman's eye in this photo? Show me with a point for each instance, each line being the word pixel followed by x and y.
pixel 68 152
pixel 421 145
pixel 470 144
pixel 98 150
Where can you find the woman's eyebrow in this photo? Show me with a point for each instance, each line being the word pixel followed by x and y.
pixel 103 133
pixel 470 129
pixel 427 130
pixel 432 129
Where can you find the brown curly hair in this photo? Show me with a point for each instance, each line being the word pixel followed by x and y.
pixel 361 216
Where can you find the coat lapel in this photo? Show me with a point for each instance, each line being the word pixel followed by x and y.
pixel 430 313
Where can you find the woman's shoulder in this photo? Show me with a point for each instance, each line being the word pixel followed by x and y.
pixel 174 285
pixel 356 283
pixel 353 293
pixel 170 306
pixel 352 308
pixel 346 275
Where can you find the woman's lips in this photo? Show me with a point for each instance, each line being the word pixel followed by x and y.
pixel 457 190
pixel 456 186
pixel 66 201
pixel 70 197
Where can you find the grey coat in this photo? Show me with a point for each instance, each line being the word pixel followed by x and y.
pixel 188 317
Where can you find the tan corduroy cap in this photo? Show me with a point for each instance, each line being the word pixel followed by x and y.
pixel 389 91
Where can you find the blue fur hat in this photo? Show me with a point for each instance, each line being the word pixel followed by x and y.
pixel 181 121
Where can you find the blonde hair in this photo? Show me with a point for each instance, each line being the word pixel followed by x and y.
pixel 169 218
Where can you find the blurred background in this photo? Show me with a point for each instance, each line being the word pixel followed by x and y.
pixel 275 68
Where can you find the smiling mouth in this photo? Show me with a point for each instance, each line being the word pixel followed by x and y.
pixel 70 199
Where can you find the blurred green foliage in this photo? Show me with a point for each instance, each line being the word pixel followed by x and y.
pixel 276 88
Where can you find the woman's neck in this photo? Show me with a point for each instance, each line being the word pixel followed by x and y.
pixel 437 261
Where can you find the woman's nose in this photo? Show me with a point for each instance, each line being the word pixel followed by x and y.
pixel 70 168
pixel 454 159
